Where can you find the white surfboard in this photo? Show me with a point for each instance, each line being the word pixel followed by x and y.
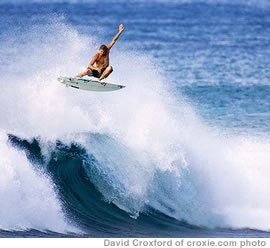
pixel 88 84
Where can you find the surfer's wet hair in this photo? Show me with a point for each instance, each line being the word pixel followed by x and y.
pixel 104 48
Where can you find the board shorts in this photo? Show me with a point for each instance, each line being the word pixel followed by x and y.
pixel 95 73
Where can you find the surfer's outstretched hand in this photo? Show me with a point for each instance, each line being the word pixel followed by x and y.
pixel 121 28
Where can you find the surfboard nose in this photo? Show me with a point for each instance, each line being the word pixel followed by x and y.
pixel 60 79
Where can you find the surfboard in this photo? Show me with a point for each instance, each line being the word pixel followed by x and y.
pixel 88 84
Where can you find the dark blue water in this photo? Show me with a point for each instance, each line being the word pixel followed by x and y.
pixel 182 151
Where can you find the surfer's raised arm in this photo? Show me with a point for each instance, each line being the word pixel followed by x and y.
pixel 121 29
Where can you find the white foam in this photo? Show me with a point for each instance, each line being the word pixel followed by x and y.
pixel 28 200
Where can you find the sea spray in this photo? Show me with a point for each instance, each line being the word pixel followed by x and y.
pixel 156 152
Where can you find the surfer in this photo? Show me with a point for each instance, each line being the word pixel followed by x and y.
pixel 102 68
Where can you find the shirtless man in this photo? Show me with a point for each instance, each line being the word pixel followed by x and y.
pixel 102 68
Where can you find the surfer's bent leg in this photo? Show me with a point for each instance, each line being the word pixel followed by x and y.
pixel 106 73
pixel 84 73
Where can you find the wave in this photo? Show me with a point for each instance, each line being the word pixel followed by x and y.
pixel 28 199
pixel 80 179
pixel 98 203
pixel 141 149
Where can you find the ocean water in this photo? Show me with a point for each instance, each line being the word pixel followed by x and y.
pixel 182 151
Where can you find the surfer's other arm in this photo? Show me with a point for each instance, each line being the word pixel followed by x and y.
pixel 92 62
pixel 90 68
pixel 121 29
